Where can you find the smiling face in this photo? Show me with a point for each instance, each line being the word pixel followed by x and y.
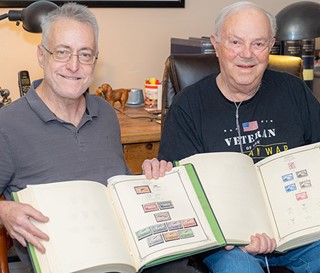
pixel 243 49
pixel 70 79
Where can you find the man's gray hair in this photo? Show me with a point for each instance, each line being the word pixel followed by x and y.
pixel 233 8
pixel 71 11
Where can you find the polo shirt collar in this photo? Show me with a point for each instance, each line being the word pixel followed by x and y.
pixel 44 113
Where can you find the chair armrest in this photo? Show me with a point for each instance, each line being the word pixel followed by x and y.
pixel 5 244
pixel 290 64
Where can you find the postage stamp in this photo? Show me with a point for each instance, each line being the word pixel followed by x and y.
pixel 174 225
pixel 155 240
pixel 171 235
pixel 165 205
pixel 142 189
pixel 162 227
pixel 291 187
pixel 186 233
pixel 162 216
pixel 143 233
pixel 150 207
pixel 191 222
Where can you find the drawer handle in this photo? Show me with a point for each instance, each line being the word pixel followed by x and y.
pixel 149 146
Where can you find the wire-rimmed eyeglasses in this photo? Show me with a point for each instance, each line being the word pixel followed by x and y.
pixel 63 55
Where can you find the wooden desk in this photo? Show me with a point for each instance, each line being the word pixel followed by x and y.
pixel 140 136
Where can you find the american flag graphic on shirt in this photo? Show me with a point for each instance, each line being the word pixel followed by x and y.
pixel 250 126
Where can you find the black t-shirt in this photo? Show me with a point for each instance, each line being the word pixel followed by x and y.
pixel 283 114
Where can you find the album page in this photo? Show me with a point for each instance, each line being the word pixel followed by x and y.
pixel 279 196
pixel 164 218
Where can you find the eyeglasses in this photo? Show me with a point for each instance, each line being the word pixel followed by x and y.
pixel 237 45
pixel 64 55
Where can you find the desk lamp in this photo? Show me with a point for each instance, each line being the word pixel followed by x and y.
pixel 300 22
pixel 31 18
pixel 31 15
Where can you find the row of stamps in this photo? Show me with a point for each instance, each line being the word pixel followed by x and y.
pixel 170 236
pixel 290 176
pixel 165 227
pixel 160 205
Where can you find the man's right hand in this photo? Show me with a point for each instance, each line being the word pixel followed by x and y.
pixel 153 168
pixel 16 218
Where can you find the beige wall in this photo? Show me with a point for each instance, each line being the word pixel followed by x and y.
pixel 134 43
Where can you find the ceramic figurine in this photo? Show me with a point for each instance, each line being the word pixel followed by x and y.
pixel 105 91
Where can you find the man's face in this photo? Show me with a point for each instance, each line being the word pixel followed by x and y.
pixel 69 78
pixel 244 48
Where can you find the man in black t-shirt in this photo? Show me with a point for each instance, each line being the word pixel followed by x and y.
pixel 249 109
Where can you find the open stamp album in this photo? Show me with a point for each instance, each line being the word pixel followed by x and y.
pixel 131 224
pixel 208 201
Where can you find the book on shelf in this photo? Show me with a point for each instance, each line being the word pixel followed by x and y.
pixel 317 59
pixel 277 48
pixel 308 57
pixel 292 47
pixel 207 201
pixel 305 49
pixel 192 45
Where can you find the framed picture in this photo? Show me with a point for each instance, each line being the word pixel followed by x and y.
pixel 104 3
